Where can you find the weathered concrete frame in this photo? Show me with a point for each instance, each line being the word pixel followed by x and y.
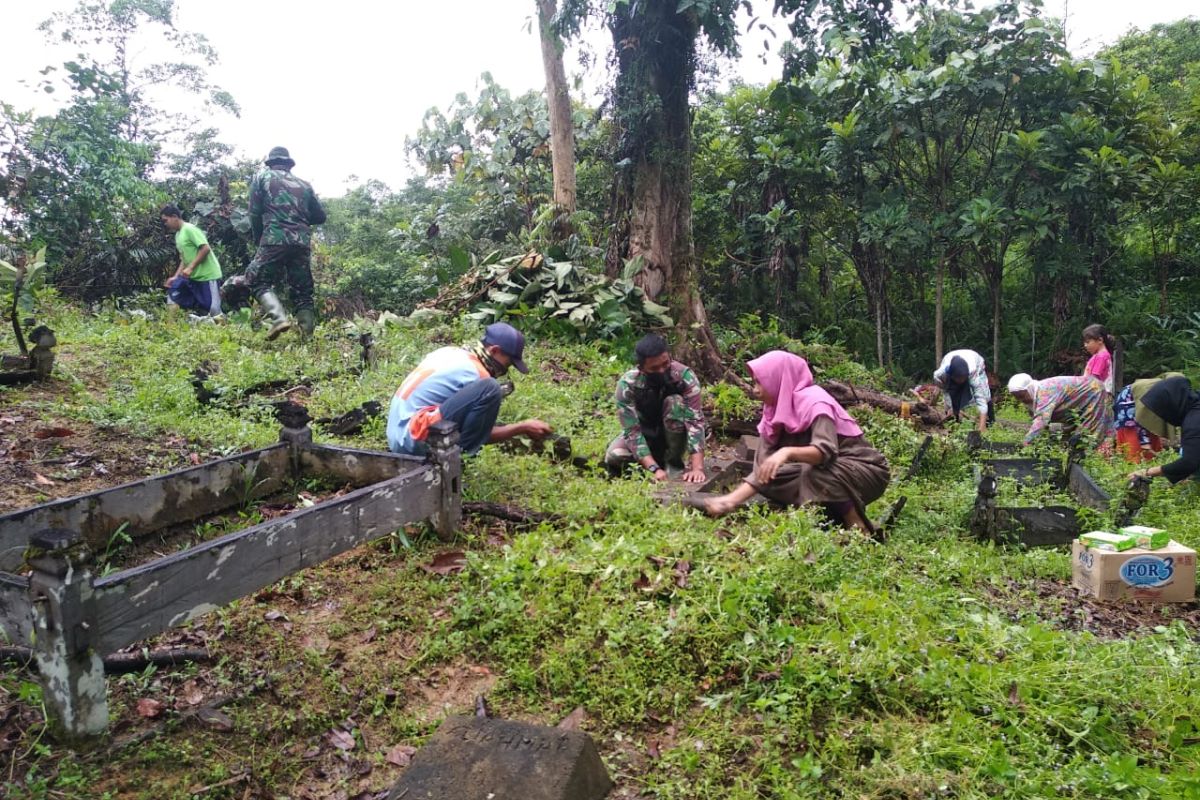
pixel 1029 526
pixel 71 619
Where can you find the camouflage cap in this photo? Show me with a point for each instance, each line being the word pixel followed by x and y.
pixel 279 155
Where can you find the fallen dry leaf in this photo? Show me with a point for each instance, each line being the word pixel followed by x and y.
pixel 42 480
pixel 52 433
pixel 194 458
pixel 271 616
pixel 400 755
pixel 682 570
pixel 216 719
pixel 149 708
pixel 573 721
pixel 342 740
pixel 644 583
pixel 192 694
pixel 446 563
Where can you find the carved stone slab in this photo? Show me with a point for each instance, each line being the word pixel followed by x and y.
pixel 471 758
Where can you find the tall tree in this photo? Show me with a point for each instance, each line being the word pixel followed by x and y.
pixel 558 101
pixel 497 144
pixel 112 36
pixel 655 42
pixel 82 180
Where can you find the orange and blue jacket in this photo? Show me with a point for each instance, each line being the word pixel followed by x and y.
pixel 417 403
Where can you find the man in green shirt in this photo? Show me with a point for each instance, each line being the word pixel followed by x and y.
pixel 195 284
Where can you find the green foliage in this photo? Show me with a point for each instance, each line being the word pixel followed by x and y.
pixel 550 295
pixel 1169 55
pixel 497 142
pixel 81 181
pixel 758 655
pixel 33 281
pixel 730 402
pixel 1043 191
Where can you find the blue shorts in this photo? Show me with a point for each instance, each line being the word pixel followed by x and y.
pixel 203 297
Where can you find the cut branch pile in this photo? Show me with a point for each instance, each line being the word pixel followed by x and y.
pixel 546 291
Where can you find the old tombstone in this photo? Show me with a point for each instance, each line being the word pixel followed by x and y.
pixel 746 447
pixel 473 758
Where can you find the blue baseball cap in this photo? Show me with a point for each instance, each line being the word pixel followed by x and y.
pixel 510 341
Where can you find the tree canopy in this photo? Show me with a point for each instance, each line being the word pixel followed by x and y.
pixel 920 177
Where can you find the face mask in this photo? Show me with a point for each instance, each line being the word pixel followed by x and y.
pixel 656 379
pixel 494 367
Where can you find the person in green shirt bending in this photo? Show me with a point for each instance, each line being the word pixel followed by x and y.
pixel 195 285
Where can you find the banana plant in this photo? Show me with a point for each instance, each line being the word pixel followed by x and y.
pixel 24 282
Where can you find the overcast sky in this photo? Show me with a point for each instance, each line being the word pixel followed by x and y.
pixel 341 84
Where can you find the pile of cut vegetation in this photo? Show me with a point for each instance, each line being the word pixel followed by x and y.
pixel 553 296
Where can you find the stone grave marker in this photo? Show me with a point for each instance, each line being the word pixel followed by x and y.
pixel 474 758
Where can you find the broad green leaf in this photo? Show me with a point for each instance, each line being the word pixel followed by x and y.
pixel 632 267
pixel 460 259
pixel 502 297
pixel 562 271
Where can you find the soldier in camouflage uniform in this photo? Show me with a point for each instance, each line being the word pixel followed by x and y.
pixel 658 404
pixel 282 210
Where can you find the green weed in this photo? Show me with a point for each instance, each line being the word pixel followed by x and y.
pixel 757 656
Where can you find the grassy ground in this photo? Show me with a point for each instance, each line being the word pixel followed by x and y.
pixel 757 656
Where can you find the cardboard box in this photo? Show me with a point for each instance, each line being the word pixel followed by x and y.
pixel 1167 575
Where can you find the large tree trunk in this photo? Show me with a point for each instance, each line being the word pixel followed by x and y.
pixel 558 100
pixel 997 287
pixel 939 336
pixel 869 267
pixel 656 64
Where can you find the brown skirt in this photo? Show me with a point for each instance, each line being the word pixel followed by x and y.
pixel 853 471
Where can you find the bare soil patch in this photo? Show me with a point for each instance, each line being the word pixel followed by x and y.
pixel 46 457
pixel 1063 606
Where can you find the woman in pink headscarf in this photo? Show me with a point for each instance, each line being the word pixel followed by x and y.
pixel 810 451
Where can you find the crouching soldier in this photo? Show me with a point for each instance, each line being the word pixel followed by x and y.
pixel 662 422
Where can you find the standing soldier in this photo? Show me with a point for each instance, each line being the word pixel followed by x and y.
pixel 282 210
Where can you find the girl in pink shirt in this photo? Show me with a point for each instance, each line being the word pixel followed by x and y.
pixel 1100 344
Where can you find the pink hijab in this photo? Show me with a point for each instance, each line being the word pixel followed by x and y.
pixel 798 402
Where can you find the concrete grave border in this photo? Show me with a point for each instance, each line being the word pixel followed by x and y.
pixel 70 618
